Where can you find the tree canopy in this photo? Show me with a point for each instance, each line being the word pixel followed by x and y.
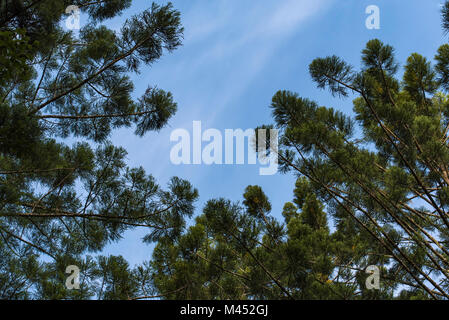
pixel 372 189
pixel 381 177
pixel 61 202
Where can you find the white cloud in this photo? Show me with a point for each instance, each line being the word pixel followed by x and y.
pixel 247 41
pixel 291 13
pixel 227 45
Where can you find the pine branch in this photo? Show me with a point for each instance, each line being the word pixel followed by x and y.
pixel 93 76
pixel 95 116
pixel 159 295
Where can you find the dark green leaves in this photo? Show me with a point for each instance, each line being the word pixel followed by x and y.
pixel 387 189
pixel 419 77
pixel 105 10
pixel 378 56
pixel 15 50
pixel 289 108
pixel 332 72
pixel 256 202
pixel 445 17
pixel 61 201
pixel 154 110
pixel 442 66
pixel 148 34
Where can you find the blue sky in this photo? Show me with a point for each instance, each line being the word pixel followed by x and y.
pixel 236 54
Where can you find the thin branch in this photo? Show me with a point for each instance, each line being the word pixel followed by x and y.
pixel 159 295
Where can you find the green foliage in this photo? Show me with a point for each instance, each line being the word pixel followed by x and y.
pixel 232 252
pixel 386 190
pixel 14 53
pixel 379 197
pixel 60 202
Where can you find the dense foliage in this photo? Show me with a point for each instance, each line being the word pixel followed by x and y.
pixel 381 177
pixel 60 202
pixel 370 190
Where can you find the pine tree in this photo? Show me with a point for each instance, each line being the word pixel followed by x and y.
pixel 60 202
pixel 238 251
pixel 381 178
pixel 384 175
